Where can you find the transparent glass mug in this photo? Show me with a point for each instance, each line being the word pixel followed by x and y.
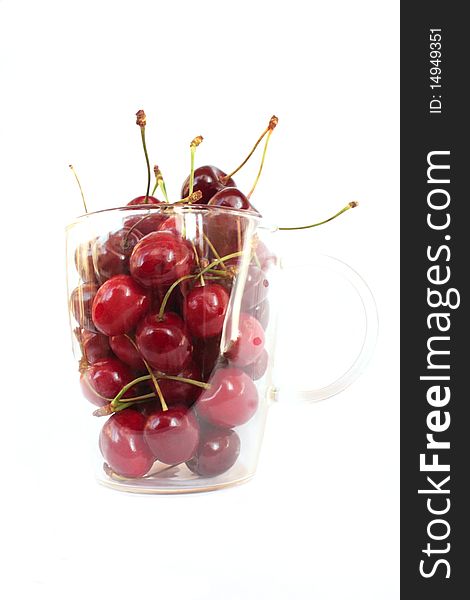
pixel 173 315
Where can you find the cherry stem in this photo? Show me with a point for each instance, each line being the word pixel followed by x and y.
pixel 142 122
pixel 198 262
pixel 160 182
pixel 272 123
pixel 192 146
pixel 166 297
pixel 152 376
pixel 112 408
pixel 212 247
pixel 343 210
pixel 79 185
pixel 219 260
pixel 191 198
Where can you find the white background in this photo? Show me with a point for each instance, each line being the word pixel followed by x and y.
pixel 320 520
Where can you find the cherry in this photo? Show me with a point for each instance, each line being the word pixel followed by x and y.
pixel 249 343
pixel 207 355
pixel 204 310
pixel 144 201
pixel 160 259
pixel 84 261
pixel 125 350
pixel 256 287
pixel 265 256
pixel 230 197
pixel 257 369
pixel 95 346
pixel 208 181
pixel 119 305
pixel 90 393
pixel 178 392
pixel 172 435
pixel 261 313
pixel 81 303
pixel 112 253
pixel 108 376
pixel 164 344
pixel 146 223
pixel 173 224
pixel 123 445
pixel 231 400
pixel 217 451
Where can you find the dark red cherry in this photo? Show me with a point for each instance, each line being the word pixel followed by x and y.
pixel 261 313
pixel 123 445
pixel 84 262
pixel 217 451
pixel 249 344
pixel 165 344
pixel 160 258
pixel 257 369
pixel 204 310
pixel 119 305
pixel 144 201
pixel 256 287
pixel 231 400
pixel 90 394
pixel 230 197
pixel 206 355
pixel 172 435
pixel 95 346
pixel 108 376
pixel 146 222
pixel 177 392
pixel 173 224
pixel 81 303
pixel 208 181
pixel 112 252
pixel 125 350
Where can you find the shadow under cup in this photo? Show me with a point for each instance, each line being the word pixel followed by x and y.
pixel 172 311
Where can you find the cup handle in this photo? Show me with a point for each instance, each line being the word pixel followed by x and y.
pixel 370 331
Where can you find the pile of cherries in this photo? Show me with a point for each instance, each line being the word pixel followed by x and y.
pixel 150 310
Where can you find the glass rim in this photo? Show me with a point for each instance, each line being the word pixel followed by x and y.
pixel 175 209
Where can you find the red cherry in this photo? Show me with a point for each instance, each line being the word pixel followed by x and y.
pixel 119 305
pixel 231 400
pixel 207 355
pixel 173 224
pixel 256 287
pixel 218 450
pixel 172 435
pixel 177 392
pixel 95 346
pixel 208 181
pixel 257 369
pixel 84 262
pixel 108 376
pixel 144 201
pixel 123 446
pixel 89 393
pixel 204 310
pixel 112 253
pixel 146 223
pixel 81 303
pixel 230 197
pixel 160 259
pixel 164 344
pixel 125 350
pixel 249 344
pixel 261 313
pixel 266 257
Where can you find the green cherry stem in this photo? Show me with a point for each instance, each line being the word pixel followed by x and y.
pixel 152 376
pixel 212 247
pixel 272 124
pixel 142 122
pixel 192 146
pixel 343 210
pixel 166 297
pixel 268 128
pixel 190 199
pixel 160 182
pixel 219 261
pixel 79 185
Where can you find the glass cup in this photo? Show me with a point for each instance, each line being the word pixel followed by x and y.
pixel 173 314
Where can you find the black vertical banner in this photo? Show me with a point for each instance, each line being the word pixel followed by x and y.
pixel 435 271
